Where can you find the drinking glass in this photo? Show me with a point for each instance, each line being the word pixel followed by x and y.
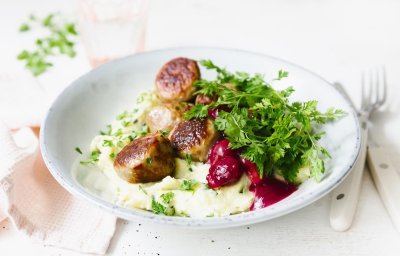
pixel 111 28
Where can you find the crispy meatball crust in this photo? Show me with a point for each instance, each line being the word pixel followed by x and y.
pixel 194 137
pixel 174 81
pixel 146 159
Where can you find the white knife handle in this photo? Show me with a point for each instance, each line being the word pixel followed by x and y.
pixel 345 196
pixel 387 181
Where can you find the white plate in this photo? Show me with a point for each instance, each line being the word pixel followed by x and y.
pixel 93 100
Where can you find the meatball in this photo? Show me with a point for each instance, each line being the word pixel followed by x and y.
pixel 194 137
pixel 165 116
pixel 174 81
pixel 146 159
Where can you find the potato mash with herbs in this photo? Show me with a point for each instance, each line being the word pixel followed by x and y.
pixel 206 148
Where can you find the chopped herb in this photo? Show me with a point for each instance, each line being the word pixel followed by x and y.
pixel 197 111
pixel 165 132
pixel 145 130
pixel 160 209
pixel 149 160
pixel 108 131
pixel 125 123
pixel 112 155
pixel 59 41
pixel 157 208
pixel 142 189
pixel 108 143
pixel 123 115
pixel 131 137
pixel 210 215
pixel 120 144
pixel 270 131
pixel 118 133
pixel 189 161
pixel 144 96
pixel 24 27
pixel 182 214
pixel 188 185
pixel 282 74
pixel 167 197
pixel 188 158
pixel 94 157
pixel 77 149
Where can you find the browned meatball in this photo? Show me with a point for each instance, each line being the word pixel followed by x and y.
pixel 146 159
pixel 165 116
pixel 194 137
pixel 174 81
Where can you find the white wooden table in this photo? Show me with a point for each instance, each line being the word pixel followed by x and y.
pixel 336 39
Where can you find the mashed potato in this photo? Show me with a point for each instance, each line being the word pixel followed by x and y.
pixel 184 194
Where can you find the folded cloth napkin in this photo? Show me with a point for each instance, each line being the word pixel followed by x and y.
pixel 29 196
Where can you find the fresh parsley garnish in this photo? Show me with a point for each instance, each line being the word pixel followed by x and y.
pixel 60 40
pixel 94 157
pixel 142 189
pixel 149 160
pixel 188 185
pixel 282 74
pixel 165 132
pixel 108 131
pixel 197 111
pixel 268 129
pixel 159 208
pixel 108 143
pixel 189 161
pixel 167 197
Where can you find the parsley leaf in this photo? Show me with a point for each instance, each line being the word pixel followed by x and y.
pixel 167 197
pixel 160 209
pixel 142 189
pixel 59 41
pixel 189 161
pixel 77 149
pixel 197 111
pixel 270 131
pixel 188 185
pixel 94 157
pixel 282 74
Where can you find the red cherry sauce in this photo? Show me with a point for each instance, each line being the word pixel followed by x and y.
pixel 270 191
pixel 219 150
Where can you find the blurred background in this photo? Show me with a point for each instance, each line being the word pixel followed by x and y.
pixel 337 39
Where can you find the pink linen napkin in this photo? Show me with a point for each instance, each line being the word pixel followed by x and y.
pixel 29 196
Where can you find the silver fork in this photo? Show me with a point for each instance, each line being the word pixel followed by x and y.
pixel 345 196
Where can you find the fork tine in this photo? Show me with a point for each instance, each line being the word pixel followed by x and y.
pixel 371 88
pixel 363 91
pixel 378 87
pixel 383 100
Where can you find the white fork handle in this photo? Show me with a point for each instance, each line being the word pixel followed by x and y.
pixel 387 181
pixel 345 196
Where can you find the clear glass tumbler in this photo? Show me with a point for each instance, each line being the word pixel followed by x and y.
pixel 111 28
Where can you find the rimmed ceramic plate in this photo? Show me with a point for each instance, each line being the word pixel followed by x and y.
pixel 96 98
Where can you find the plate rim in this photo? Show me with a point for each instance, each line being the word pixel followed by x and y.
pixel 241 219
